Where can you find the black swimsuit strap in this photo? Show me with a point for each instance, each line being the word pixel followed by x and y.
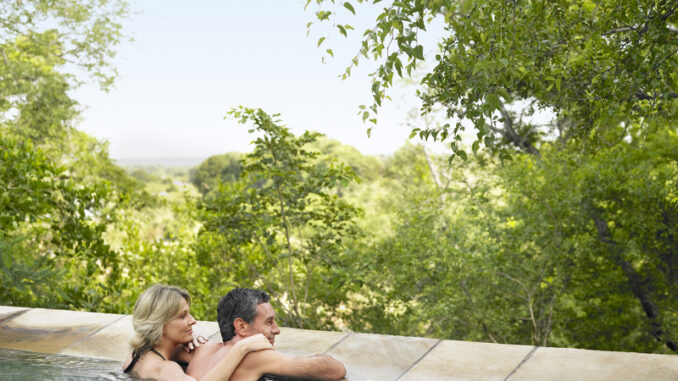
pixel 136 357
pixel 158 353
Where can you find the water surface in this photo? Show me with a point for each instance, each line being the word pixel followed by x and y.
pixel 21 365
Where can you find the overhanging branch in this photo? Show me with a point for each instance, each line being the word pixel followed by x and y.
pixel 510 133
pixel 643 96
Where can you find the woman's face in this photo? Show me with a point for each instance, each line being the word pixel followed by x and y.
pixel 179 329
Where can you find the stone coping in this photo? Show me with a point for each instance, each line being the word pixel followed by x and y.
pixel 366 356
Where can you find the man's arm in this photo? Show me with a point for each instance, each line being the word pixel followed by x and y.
pixel 272 362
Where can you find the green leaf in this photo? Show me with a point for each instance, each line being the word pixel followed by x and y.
pixel 503 93
pixel 466 6
pixel 418 52
pixel 493 101
pixel 323 15
pixel 348 6
pixel 462 154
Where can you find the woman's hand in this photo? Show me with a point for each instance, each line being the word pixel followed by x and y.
pixel 195 343
pixel 255 343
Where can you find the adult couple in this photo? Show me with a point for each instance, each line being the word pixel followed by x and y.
pixel 162 325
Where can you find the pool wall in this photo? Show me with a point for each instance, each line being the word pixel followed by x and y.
pixel 366 356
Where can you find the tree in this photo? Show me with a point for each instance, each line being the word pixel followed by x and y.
pixel 44 46
pixel 50 221
pixel 215 170
pixel 418 295
pixel 282 227
pixel 603 228
pixel 60 190
pixel 367 168
pixel 512 254
pixel 595 65
pixel 607 72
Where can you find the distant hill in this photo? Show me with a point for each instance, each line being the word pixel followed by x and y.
pixel 169 162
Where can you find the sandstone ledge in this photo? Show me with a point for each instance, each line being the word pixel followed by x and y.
pixel 367 356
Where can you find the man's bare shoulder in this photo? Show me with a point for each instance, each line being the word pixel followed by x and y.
pixel 250 367
pixel 208 348
pixel 203 358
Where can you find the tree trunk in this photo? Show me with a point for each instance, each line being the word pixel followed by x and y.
pixel 636 282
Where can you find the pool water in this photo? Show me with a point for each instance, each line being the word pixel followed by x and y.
pixel 20 366
pixel 32 366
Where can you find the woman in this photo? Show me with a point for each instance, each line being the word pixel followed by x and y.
pixel 162 324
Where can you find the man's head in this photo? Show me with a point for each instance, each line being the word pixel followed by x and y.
pixel 245 312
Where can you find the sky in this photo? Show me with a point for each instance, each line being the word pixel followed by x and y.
pixel 190 62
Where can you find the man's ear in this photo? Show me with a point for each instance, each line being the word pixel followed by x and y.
pixel 241 327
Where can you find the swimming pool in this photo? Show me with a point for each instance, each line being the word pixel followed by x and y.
pixel 33 366
pixel 25 366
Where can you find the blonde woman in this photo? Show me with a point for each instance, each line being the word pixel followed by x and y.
pixel 162 324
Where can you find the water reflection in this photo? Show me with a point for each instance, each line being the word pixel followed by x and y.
pixel 20 365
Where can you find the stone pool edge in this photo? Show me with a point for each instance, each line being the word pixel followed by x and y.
pixel 367 356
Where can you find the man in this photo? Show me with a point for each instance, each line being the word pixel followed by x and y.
pixel 245 312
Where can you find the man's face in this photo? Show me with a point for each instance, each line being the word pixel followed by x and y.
pixel 264 322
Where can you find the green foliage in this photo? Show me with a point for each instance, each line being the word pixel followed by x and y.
pixel 44 45
pixel 48 34
pixel 567 245
pixel 514 253
pixel 603 226
pixel 281 227
pixel 595 64
pixel 430 270
pixel 368 168
pixel 215 170
pixel 25 280
pixel 564 245
pixel 415 297
pixel 59 189
pixel 47 219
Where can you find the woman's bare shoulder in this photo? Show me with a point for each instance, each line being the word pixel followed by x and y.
pixel 170 370
pixel 150 368
pixel 128 360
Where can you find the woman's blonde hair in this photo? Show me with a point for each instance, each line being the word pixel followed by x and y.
pixel 156 306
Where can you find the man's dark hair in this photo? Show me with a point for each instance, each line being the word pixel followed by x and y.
pixel 238 303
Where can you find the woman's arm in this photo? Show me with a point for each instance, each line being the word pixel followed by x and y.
pixel 227 364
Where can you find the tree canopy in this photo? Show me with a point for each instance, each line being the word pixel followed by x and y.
pixel 59 187
pixel 596 65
